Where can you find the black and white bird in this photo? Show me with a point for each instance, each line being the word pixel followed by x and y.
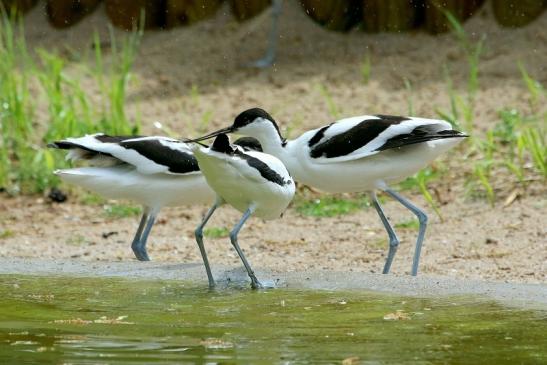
pixel 255 183
pixel 358 154
pixel 153 171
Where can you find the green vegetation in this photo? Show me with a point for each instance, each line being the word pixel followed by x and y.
pixel 48 79
pixel 121 210
pixel 330 205
pixel 216 232
pixel 420 181
pixel 408 224
pixel 6 233
pixel 76 240
pixel 332 107
pixel 473 51
pixel 510 155
pixel 91 199
pixel 535 90
pixel 201 125
pixel 463 107
pixel 366 68
pixel 515 147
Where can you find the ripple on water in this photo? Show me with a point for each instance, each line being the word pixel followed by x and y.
pixel 85 321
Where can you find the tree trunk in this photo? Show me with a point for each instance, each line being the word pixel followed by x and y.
pixel 435 18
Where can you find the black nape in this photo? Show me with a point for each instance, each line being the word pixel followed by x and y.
pixel 249 143
pixel 222 144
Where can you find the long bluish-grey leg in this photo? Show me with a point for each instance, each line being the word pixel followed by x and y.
pixel 422 218
pixel 255 284
pixel 393 239
pixel 269 57
pixel 140 247
pixel 135 245
pixel 199 239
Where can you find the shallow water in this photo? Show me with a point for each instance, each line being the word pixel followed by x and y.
pixel 106 321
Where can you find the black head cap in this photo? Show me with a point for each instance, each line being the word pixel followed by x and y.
pixel 249 143
pixel 249 115
pixel 222 144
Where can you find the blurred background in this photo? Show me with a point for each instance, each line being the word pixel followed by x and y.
pixel 184 67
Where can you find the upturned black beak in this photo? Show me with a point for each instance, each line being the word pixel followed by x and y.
pixel 211 135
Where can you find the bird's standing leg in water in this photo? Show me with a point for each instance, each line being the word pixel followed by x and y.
pixel 269 57
pixel 199 238
pixel 372 150
pixel 255 284
pixel 252 182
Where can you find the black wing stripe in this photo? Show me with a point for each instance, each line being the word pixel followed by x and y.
pixel 392 119
pixel 65 145
pixel 177 162
pixel 354 138
pixel 418 136
pixel 318 135
pixel 265 171
pixel 105 138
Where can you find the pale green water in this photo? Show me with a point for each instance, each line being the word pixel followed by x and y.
pixel 169 322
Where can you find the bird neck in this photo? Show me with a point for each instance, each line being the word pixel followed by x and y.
pixel 270 139
pixel 274 144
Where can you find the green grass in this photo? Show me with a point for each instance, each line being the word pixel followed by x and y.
pixel 420 179
pixel 330 205
pixel 25 162
pixel 118 211
pixel 533 141
pixel 6 233
pixel 535 89
pixel 513 153
pixel 366 69
pixel 462 107
pixel 88 198
pixel 473 51
pixel 332 107
pixel 420 182
pixel 76 240
pixel 216 232
pixel 410 100
pixel 408 224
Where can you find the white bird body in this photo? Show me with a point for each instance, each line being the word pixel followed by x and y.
pixel 153 191
pixel 363 169
pixel 366 173
pixel 252 182
pixel 241 185
pixel 153 171
pixel 356 154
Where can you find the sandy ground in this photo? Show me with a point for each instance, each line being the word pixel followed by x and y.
pixel 475 240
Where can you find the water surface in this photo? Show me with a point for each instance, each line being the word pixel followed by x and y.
pixel 109 321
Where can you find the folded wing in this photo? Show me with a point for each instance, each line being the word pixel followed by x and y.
pixel 359 137
pixel 149 155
